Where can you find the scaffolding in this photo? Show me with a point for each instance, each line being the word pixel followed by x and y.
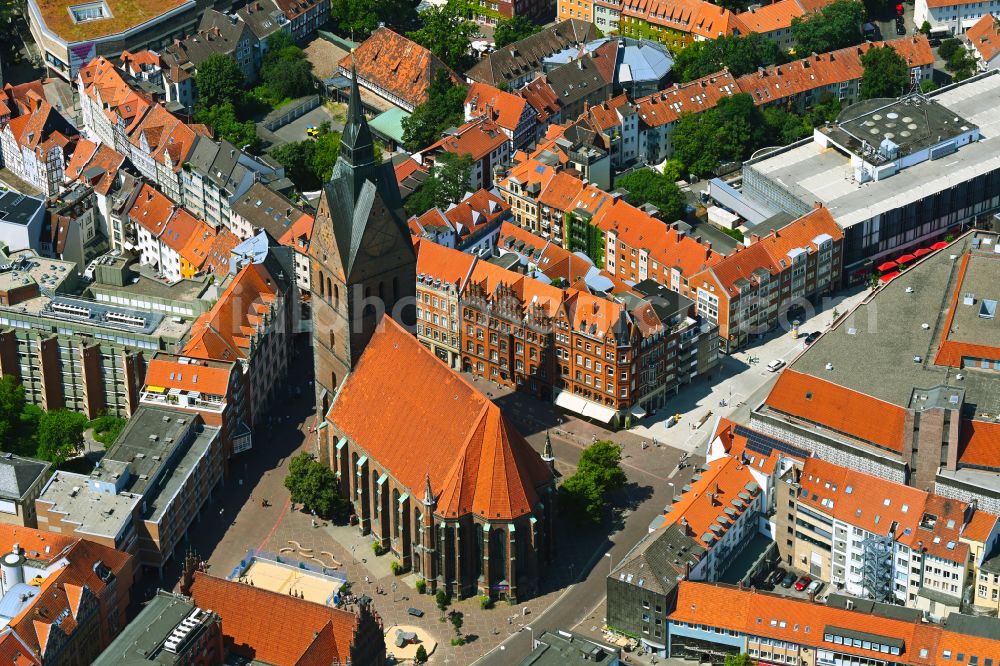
pixel 876 571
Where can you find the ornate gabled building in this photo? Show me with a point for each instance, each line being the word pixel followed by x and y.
pixel 362 260
pixel 440 478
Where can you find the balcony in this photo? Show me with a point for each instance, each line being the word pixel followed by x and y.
pixel 156 395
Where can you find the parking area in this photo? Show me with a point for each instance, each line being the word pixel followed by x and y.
pixel 793 583
pixel 296 130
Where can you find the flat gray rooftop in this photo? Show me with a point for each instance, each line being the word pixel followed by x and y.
pixel 17 208
pixel 811 173
pixel 100 514
pixel 874 350
pixel 141 641
pixel 912 124
pixel 982 283
pixel 562 648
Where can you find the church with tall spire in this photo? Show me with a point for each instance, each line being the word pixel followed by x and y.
pixel 362 261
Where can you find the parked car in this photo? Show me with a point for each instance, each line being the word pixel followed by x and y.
pixel 803 583
pixel 811 338
pixel 415 612
pixel 776 576
pixel 814 587
pixel 788 580
pixel 312 132
pixel 775 365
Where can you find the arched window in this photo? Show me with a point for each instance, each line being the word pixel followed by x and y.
pixel 333 339
pixel 336 296
pixel 333 381
pixel 329 289
pixel 321 292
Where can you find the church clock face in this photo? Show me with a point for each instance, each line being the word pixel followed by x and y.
pixel 378 242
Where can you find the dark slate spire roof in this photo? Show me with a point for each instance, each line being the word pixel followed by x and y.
pixel 356 144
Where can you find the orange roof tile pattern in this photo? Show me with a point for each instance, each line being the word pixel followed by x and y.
pixel 843 410
pixel 397 65
pixel 692 16
pixel 17 99
pixel 542 98
pixel 979 444
pixel 98 168
pixel 504 108
pixel 123 15
pixel 803 622
pixel 190 376
pixel 476 211
pixel 985 37
pixel 224 332
pixel 477 463
pixel 477 138
pixel 275 628
pixel 736 446
pixel 702 511
pixel 35 128
pixel 298 234
pixel 441 263
pixel 777 15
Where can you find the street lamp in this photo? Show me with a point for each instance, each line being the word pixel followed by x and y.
pixel 611 563
pixel 671 485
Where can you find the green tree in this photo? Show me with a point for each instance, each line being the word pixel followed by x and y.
pixel 961 65
pixel 826 109
pixel 441 598
pixel 886 74
pixel 326 149
pixel 444 108
pixel 223 121
pixel 60 435
pixel 447 33
pixel 928 85
pixel 514 29
pixel 925 28
pixel 421 656
pixel 599 472
pixel 11 406
pixel 107 428
pixel 836 26
pixel 360 18
pixel 297 158
pixel 218 81
pixel 313 485
pixel 284 68
pixel 447 184
pixel 741 55
pixel 741 659
pixel 784 127
pixel 949 48
pixel 673 170
pixel 730 131
pixel 648 186
pixel 457 620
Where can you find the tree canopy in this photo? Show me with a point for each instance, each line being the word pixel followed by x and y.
pixel 648 186
pixel 11 406
pixel 313 485
pixel 360 18
pixel 514 29
pixel 60 435
pixel 598 473
pixel 218 80
pixel 284 69
pixel 741 55
pixel 107 428
pixel 886 73
pixel 447 184
pixel 224 122
pixel 309 163
pixel 836 26
pixel 741 659
pixel 724 133
pixel 448 33
pixel 444 108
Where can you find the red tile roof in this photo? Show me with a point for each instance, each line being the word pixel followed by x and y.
pixel 477 138
pixel 298 234
pixel 276 628
pixel 667 105
pixel 397 65
pixel 441 263
pixel 767 18
pixel 979 444
pixel 193 376
pixel 224 332
pixel 985 37
pixel 692 16
pixel 502 107
pixel 542 98
pixel 703 507
pixel 476 211
pixel 477 462
pixel 843 410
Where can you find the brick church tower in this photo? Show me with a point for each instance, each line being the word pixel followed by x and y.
pixel 361 257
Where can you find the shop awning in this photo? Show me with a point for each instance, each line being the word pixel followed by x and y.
pixel 921 252
pixel 598 412
pixel 940 245
pixel 887 266
pixel 905 259
pixel 573 403
pixel 638 412
pixel 889 276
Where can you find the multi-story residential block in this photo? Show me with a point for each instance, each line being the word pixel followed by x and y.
pixel 984 42
pixel 300 17
pixel 516 64
pixel 676 23
pixel 297 238
pixel 441 277
pixel 214 390
pixel 79 354
pixel 453 533
pixel 170 630
pixel 955 15
pixel 543 101
pixel 252 322
pixel 901 387
pixel 21 481
pixel 147 490
pixel 395 68
pixel 175 242
pixel 482 140
pixel 74 229
pixel 580 83
pixel 471 225
pixel 617 124
pixel 37 144
pixel 68 597
pixel 261 208
pixel 751 290
pixel 513 114
pixel 218 34
pixel 111 176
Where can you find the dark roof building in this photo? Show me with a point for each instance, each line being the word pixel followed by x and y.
pixel 563 648
pixel 21 481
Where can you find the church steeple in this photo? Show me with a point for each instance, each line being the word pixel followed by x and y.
pixel 357 148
